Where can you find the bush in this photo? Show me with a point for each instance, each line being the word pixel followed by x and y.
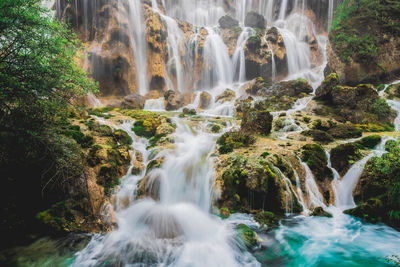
pixel 382 109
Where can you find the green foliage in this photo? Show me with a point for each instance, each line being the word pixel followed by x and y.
pixel 381 108
pixel 39 77
pixel 381 183
pixel 232 140
pixel 358 28
pixel 246 235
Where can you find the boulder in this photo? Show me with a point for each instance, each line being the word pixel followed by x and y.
pixel 205 100
pixel 153 94
pixel 173 99
pixel 254 20
pixel 256 85
pixel 227 22
pixel 319 211
pixel 226 96
pixel 133 102
pixel 343 156
pixel 256 121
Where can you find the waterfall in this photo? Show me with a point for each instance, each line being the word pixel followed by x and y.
pixel 314 195
pixel 238 58
pixel 139 44
pixel 344 188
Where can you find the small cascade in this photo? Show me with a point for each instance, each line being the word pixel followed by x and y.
pixel 217 65
pixel 396 106
pixel 315 197
pixel 344 189
pixel 238 58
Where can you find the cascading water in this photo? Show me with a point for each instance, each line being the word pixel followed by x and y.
pixel 177 229
pixel 139 44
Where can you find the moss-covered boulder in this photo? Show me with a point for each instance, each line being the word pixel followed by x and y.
pixel 256 121
pixel 344 156
pixel 320 212
pixel 363 41
pixel 315 157
pixel 249 183
pixel 224 212
pixel 359 104
pixel 234 139
pixel 122 137
pixel 283 95
pixel 267 219
pixel 247 236
pixel 378 190
pixel 319 136
pixel 226 96
pixel 345 131
pixel 370 142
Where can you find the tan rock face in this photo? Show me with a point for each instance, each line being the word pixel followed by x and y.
pixel 157 53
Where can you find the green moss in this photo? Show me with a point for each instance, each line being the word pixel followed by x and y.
pixel 315 157
pixel 318 211
pixel 370 142
pixel 224 212
pixel 232 140
pixel 267 219
pixel 319 136
pixel 122 137
pixel 379 195
pixel 359 28
pixel 246 235
pixel 345 131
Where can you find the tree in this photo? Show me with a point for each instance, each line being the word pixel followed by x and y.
pixel 39 77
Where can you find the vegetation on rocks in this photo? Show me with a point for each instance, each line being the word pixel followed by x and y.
pixel 234 139
pixel 359 26
pixel 378 191
pixel 315 157
pixel 40 156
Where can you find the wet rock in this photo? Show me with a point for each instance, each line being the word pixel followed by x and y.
pixel 315 157
pixel 133 102
pixel 254 20
pixel 267 219
pixel 153 94
pixel 227 22
pixel 344 156
pixel 319 136
pixel 224 213
pixel 189 111
pixel 243 103
pixel 256 121
pixel 205 100
pixel 174 100
pixel 247 236
pixel 319 211
pixel 256 85
pixel 226 96
pixel 295 88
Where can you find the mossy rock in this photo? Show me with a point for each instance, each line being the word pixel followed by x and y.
pixel 344 131
pixel 371 211
pixel 233 140
pixel 319 211
pixel 370 142
pixel 247 236
pixel 319 136
pixel 315 157
pixel 344 156
pixel 267 219
pixel 224 212
pixel 123 137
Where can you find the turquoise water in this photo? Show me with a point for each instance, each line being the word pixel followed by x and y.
pixel 338 241
pixel 299 241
